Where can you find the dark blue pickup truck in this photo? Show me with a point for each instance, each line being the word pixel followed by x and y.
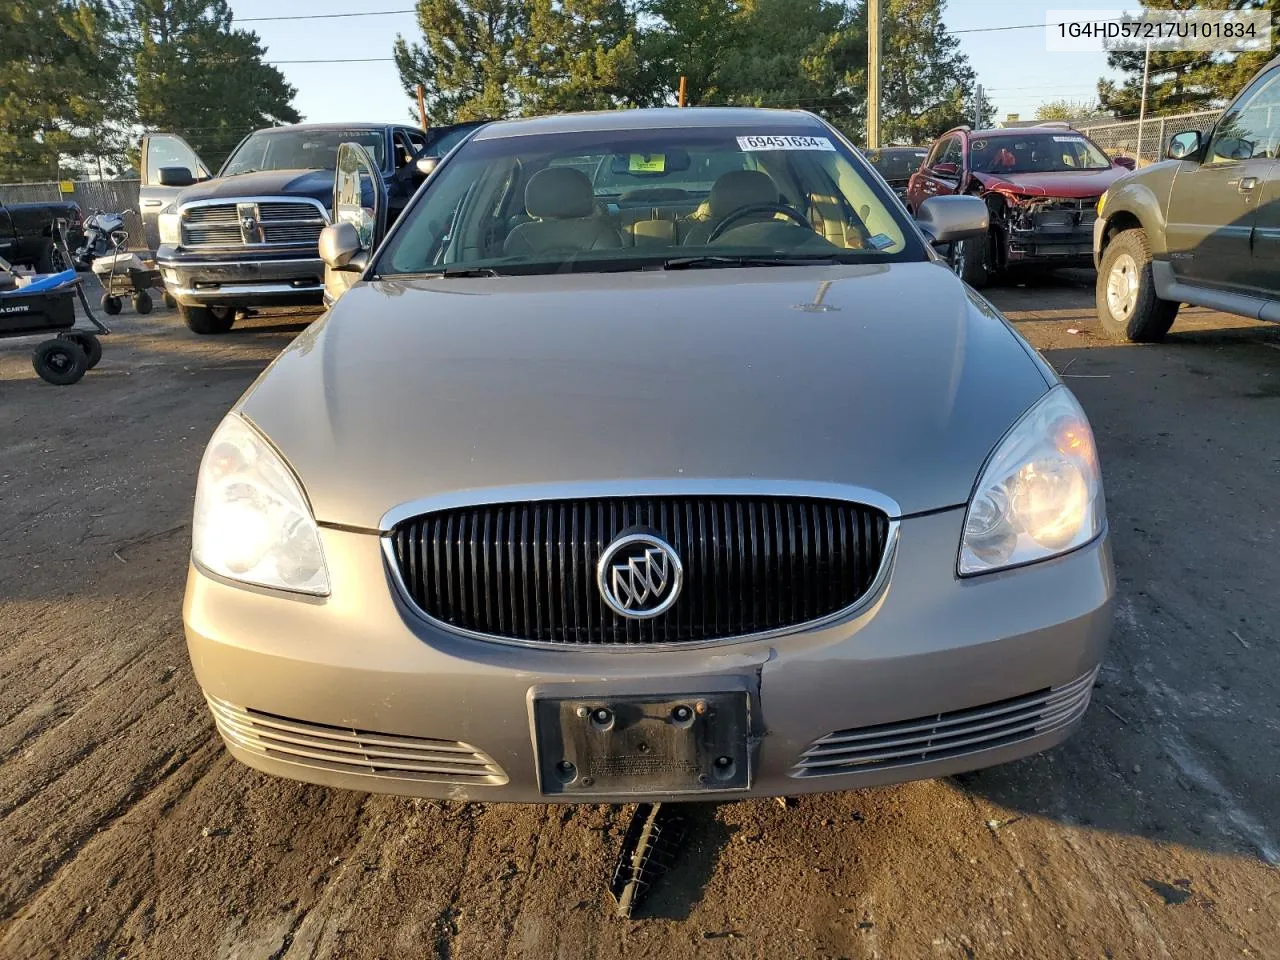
pixel 248 236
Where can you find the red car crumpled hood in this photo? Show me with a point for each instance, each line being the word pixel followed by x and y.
pixel 1071 185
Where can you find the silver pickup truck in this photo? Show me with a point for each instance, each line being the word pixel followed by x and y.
pixel 248 236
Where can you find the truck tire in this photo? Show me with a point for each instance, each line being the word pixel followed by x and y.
pixel 1128 308
pixel 207 320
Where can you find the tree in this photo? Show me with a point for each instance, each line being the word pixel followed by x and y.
pixel 577 55
pixel 1182 79
pixel 926 83
pixel 468 58
pixel 689 38
pixel 60 64
pixel 200 77
pixel 1067 110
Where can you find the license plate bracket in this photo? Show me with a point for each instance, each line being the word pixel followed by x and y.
pixel 643 746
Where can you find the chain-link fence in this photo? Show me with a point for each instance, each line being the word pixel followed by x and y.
pixel 1147 141
pixel 109 196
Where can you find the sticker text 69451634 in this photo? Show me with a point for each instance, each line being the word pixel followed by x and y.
pixel 784 143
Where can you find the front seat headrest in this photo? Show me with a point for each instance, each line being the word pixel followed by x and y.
pixel 740 188
pixel 559 193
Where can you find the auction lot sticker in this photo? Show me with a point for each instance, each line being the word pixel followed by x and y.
pixel 784 143
pixel 1233 31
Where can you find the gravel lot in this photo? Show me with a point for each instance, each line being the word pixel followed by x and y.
pixel 126 831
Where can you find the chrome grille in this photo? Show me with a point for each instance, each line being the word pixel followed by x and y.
pixel 353 751
pixel 527 571
pixel 275 222
pixel 946 735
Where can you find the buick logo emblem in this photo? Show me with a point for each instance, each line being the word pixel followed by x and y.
pixel 639 575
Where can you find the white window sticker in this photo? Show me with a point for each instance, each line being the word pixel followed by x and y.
pixel 1069 139
pixel 784 143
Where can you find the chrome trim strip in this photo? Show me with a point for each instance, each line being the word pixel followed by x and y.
pixel 873 593
pixel 232 201
pixel 241 289
pixel 197 264
pixel 654 487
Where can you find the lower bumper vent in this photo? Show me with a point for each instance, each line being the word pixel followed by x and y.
pixel 946 735
pixel 353 751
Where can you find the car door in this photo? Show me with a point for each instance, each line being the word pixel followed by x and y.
pixel 1265 269
pixel 360 199
pixel 941 173
pixel 161 150
pixel 1214 203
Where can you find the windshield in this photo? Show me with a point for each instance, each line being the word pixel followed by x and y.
pixel 618 200
pixel 896 164
pixel 289 149
pixel 1036 153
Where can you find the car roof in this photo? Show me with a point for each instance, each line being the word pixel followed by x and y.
pixel 656 118
pixel 320 127
pixel 998 132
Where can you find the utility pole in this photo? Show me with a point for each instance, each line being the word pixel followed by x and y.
pixel 873 74
pixel 422 106
pixel 977 107
pixel 683 88
pixel 1142 110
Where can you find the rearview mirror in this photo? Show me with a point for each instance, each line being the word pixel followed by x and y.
pixel 175 177
pixel 340 248
pixel 423 167
pixel 948 219
pixel 674 160
pixel 1184 145
pixel 1126 163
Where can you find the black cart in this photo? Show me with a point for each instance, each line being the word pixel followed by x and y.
pixel 66 357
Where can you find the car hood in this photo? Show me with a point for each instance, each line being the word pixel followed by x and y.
pixel 895 379
pixel 1070 185
pixel 317 184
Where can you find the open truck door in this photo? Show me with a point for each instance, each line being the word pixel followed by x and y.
pixel 168 165
pixel 359 220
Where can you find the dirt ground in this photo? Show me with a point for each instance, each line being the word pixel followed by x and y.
pixel 127 831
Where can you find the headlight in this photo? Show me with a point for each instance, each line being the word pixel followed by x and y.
pixel 170 230
pixel 252 521
pixel 1040 493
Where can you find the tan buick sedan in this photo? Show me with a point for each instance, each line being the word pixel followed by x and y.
pixel 650 455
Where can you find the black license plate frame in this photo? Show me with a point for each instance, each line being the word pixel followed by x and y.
pixel 643 745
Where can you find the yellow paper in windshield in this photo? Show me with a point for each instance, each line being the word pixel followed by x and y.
pixel 647 163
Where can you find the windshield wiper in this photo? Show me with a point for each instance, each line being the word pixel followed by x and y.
pixel 710 261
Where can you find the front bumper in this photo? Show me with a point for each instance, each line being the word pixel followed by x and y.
pixel 294 278
pixel 1050 237
pixel 1099 234
pixel 357 691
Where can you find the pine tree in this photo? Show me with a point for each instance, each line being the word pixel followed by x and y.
pixel 578 55
pixel 200 77
pixel 468 61
pixel 1183 80
pixel 61 87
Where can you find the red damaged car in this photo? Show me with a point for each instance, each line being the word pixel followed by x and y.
pixel 1041 185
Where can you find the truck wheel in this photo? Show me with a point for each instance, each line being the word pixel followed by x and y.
pixel 207 320
pixel 1128 307
pixel 969 261
pixel 60 362
pixel 87 342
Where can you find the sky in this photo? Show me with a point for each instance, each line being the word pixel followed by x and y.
pixel 1015 69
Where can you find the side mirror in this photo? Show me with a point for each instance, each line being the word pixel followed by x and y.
pixel 948 219
pixel 425 166
pixel 175 177
pixel 1126 163
pixel 946 169
pixel 340 248
pixel 1184 145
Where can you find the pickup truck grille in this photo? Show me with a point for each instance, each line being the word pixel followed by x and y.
pixel 252 224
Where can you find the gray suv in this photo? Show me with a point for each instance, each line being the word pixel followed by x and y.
pixel 1203 227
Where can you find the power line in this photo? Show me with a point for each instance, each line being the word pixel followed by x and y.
pixel 325 16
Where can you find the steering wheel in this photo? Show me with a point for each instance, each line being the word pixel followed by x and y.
pixel 756 208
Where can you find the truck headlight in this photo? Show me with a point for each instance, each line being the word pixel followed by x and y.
pixel 252 520
pixel 1040 493
pixel 170 228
